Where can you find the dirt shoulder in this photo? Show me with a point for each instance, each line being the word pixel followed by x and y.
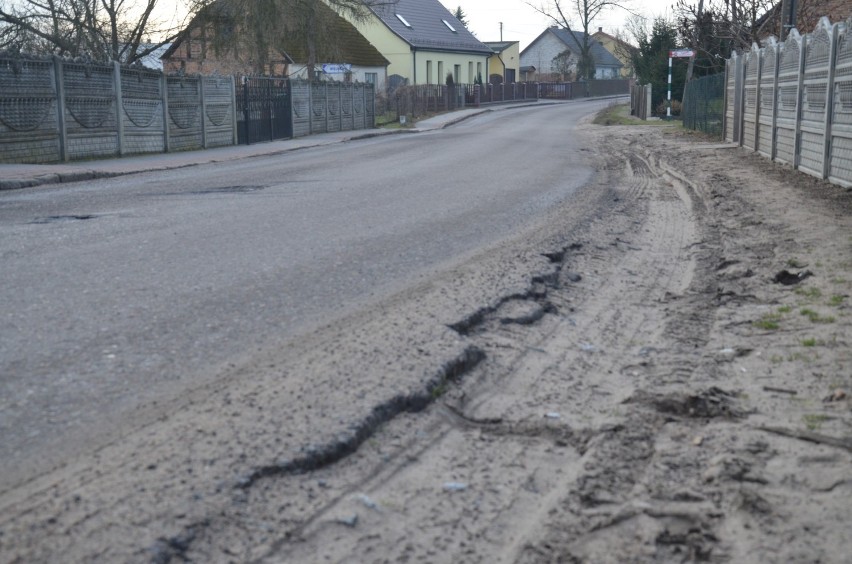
pixel 641 389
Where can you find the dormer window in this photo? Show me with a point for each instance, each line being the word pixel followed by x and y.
pixel 403 20
pixel 450 27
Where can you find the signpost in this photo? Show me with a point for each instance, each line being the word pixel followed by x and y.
pixel 675 54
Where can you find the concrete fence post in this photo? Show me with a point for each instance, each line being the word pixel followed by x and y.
pixel 797 131
pixel 119 107
pixel 60 108
pixel 203 112
pixel 739 100
pixel 164 86
pixel 829 99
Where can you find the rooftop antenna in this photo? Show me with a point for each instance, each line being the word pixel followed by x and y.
pixel 501 31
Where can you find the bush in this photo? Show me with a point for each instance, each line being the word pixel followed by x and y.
pixel 676 107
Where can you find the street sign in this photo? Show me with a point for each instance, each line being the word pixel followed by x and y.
pixel 681 53
pixel 336 68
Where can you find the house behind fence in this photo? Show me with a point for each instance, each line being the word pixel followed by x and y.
pixel 792 101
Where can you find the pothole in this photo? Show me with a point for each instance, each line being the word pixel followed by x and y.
pixel 62 218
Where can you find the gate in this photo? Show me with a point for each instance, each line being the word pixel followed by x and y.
pixel 264 110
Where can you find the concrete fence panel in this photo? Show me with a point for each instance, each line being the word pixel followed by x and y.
pixel 789 96
pixel 750 98
pixel 766 109
pixel 29 112
pixel 814 100
pixel 733 91
pixel 91 110
pixel 840 153
pixel 141 111
pixel 185 113
pixel 218 111
pixel 347 118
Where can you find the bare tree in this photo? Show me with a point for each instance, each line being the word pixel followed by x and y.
pixel 714 28
pixel 563 12
pixel 104 30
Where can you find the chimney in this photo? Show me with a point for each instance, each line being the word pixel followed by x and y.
pixel 600 30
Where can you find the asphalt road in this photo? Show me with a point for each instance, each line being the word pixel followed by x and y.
pixel 127 292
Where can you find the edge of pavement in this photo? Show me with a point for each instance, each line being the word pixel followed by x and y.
pixel 18 176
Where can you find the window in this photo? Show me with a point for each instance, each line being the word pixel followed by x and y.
pixel 403 20
pixel 450 27
pixel 478 70
pixel 371 77
pixel 470 77
pixel 457 74
pixel 428 72
pixel 441 72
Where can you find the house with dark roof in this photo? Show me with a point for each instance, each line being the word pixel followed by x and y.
pixel 555 50
pixel 505 63
pixel 424 43
pixel 620 49
pixel 349 57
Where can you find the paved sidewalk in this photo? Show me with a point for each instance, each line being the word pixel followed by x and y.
pixel 13 176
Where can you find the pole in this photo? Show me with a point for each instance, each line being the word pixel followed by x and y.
pixel 669 104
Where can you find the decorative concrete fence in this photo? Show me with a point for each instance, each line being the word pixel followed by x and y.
pixel 59 110
pixel 792 101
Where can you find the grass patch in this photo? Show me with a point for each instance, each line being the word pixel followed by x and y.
pixel 619 114
pixel 785 309
pixel 776 359
pixel 796 263
pixel 836 300
pixel 807 359
pixel 813 421
pixel 769 322
pixel 811 293
pixel 809 342
pixel 815 317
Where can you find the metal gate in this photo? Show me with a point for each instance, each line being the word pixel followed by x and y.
pixel 264 110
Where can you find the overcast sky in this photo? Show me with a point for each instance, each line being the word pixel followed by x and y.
pixel 522 23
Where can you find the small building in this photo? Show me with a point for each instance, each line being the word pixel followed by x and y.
pixel 350 58
pixel 620 49
pixel 424 43
pixel 555 52
pixel 528 73
pixel 505 63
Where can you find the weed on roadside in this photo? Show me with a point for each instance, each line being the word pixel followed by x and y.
pixel 813 421
pixel 769 322
pixel 815 317
pixel 809 342
pixel 836 300
pixel 810 293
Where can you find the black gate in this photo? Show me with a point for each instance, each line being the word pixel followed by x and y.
pixel 263 110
